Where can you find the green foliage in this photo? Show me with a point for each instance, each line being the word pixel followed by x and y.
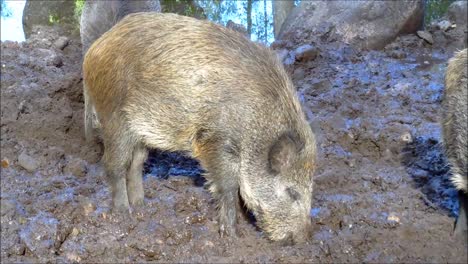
pixel 182 7
pixel 79 4
pixel 54 19
pixel 435 9
pixel 4 10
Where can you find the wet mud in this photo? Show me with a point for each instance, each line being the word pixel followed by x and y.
pixel 381 190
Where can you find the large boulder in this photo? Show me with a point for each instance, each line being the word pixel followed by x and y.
pixel 458 13
pixel 48 13
pixel 99 16
pixel 363 24
pixel 450 32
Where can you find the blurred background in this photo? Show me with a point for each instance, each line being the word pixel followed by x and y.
pixel 258 17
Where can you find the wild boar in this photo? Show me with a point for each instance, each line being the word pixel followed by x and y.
pixel 176 83
pixel 455 130
pixel 97 17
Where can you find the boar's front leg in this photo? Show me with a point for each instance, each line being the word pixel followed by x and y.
pixel 225 189
pixel 221 160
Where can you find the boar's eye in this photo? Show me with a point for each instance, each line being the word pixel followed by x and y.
pixel 293 194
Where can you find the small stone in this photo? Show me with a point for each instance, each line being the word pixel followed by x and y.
pixel 61 43
pixel 72 257
pixel 27 162
pixel 398 54
pixel 56 61
pixel 426 36
pixel 39 234
pixel 74 232
pixel 17 249
pixel 298 74
pixel 406 138
pixel 5 163
pixel 76 167
pixel 444 25
pixel 306 52
pixel 87 206
pixel 7 206
pixel 392 217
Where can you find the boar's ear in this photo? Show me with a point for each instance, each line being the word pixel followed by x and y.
pixel 283 152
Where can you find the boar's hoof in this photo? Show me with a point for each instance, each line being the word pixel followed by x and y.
pixel 226 230
pixel 461 225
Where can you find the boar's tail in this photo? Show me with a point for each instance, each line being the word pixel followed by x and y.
pixel 90 119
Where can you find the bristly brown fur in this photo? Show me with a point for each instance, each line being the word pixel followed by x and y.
pixel 180 84
pixel 455 118
pixel 455 131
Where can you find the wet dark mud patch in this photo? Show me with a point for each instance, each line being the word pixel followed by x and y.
pixel 427 165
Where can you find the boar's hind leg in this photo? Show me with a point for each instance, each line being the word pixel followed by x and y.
pixel 118 155
pixel 461 224
pixel 135 177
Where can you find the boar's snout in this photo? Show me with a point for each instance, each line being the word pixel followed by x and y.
pixel 300 236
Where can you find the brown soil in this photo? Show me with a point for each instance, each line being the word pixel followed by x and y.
pixel 381 191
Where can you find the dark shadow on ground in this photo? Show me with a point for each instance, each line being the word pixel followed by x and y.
pixel 164 164
pixel 426 163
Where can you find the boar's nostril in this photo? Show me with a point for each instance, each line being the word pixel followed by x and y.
pixel 293 194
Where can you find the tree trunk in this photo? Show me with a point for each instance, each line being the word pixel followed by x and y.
pixel 281 10
pixel 249 17
pixel 265 18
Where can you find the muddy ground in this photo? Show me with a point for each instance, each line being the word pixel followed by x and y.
pixel 381 190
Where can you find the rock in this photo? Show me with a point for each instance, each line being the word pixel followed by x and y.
pixel 363 24
pixel 426 36
pixel 55 60
pixel 298 74
pixel 76 167
pixel 27 162
pixel 444 25
pixel 23 60
pixel 457 13
pixel 5 163
pixel 397 54
pixel 61 43
pixel 50 57
pixel 306 53
pixel 7 207
pixel 39 234
pixel 47 13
